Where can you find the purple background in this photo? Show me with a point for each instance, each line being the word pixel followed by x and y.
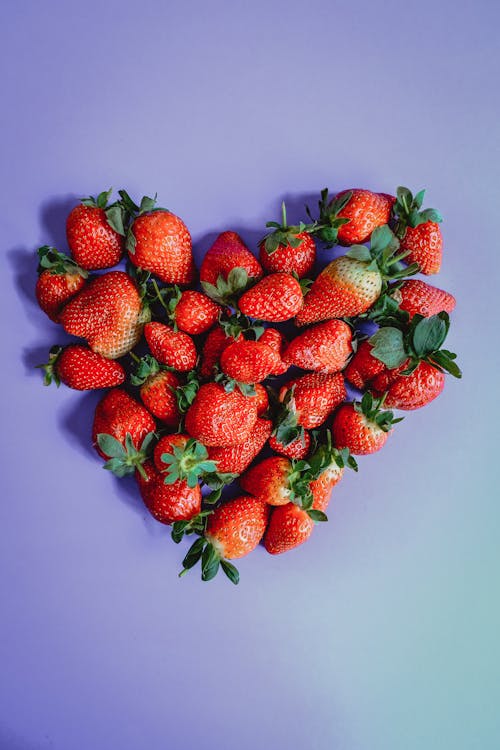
pixel 382 632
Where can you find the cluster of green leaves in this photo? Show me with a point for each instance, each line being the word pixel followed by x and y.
pixel 383 256
pixel 50 374
pixel 284 235
pixel 50 259
pixel 227 291
pixel 327 226
pixel 125 458
pixel 230 384
pixel 371 408
pixel 189 463
pixel 408 210
pixel 286 429
pixel 211 561
pixel 234 324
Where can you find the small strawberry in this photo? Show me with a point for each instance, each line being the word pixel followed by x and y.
pixel 288 249
pixel 297 448
pixel 362 426
pixel 173 348
pixel 60 278
pixel 250 361
pixel 351 216
pixel 158 241
pixel 314 397
pixel 215 343
pixel 82 369
pixel 325 347
pixel 168 503
pixel 158 389
pixel 418 231
pixel 192 312
pixel 289 526
pixel 363 367
pixel 108 313
pixel 95 232
pixel 235 459
pixel 275 298
pixel 272 480
pixel 418 298
pixel 219 418
pixel 228 267
pixel 412 391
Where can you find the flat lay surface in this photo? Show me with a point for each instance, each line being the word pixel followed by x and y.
pixel 381 632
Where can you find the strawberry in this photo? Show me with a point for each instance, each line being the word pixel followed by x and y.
pixel 158 394
pixel 215 343
pixel 82 369
pixel 60 278
pixel 235 459
pixel 418 231
pixel 351 216
pixel 227 268
pixel 158 241
pixel 108 313
pixel 325 347
pixel 192 311
pixel 250 361
pixel 219 418
pixel 363 367
pixel 275 298
pixel 314 397
pixel 289 527
pixel 288 249
pixel 167 503
pixel 418 298
pixel 173 348
pixel 95 232
pixel 262 399
pixel 362 426
pixel 412 391
pixel 271 480
pixel 180 457
pixel 275 339
pixel 297 448
pixel 350 285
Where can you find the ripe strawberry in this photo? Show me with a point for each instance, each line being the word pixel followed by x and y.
pixel 275 298
pixel 158 394
pixel 418 298
pixel 193 312
pixel 262 399
pixel 288 249
pixel 352 215
pixel 227 253
pixel 270 480
pixel 108 313
pixel 95 232
pixel 325 347
pixel 173 348
pixel 362 426
pixel 363 367
pixel 168 503
pixel 275 339
pixel 219 418
pixel 158 241
pixel 418 231
pixel 235 459
pixel 82 369
pixel 412 391
pixel 180 457
pixel 250 361
pixel 289 527
pixel 59 280
pixel 314 397
pixel 297 448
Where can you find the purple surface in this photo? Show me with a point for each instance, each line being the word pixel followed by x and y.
pixel 379 634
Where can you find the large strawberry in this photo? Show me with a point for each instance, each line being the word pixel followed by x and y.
pixel 235 459
pixel 416 297
pixel 419 232
pixel 60 278
pixel 311 398
pixel 168 503
pixel 351 216
pixel 288 249
pixel 275 298
pixel 250 361
pixel 362 426
pixel 172 348
pixel 82 369
pixel 108 313
pixel 409 391
pixel 228 267
pixel 325 347
pixel 95 232
pixel 218 417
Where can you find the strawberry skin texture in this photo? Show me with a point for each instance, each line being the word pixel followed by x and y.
pixel 172 348
pixel 165 445
pixel 288 259
pixel 365 211
pixel 418 297
pixel 218 418
pixel 236 528
pixel 298 448
pixel 214 345
pixel 82 369
pixel 158 396
pixel 345 287
pixel 108 313
pixel 268 480
pixel 54 290
pixel 118 413
pixel 195 312
pixel 354 431
pixel 275 298
pixel 163 246
pixel 168 503
pixel 92 242
pixel 409 392
pixel 237 458
pixel 363 367
pixel 316 395
pixel 425 243
pixel 325 347
pixel 250 361
pixel 228 252
pixel 261 399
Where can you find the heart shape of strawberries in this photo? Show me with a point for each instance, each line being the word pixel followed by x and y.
pixel 272 372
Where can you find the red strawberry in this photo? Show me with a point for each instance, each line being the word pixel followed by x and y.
pixel 352 215
pixel 362 426
pixel 158 394
pixel 215 343
pixel 297 448
pixel 59 280
pixel 82 369
pixel 275 339
pixel 194 312
pixel 288 249
pixel 168 503
pixel 166 445
pixel 262 399
pixel 173 348
pixel 275 298
pixel 235 528
pixel 158 241
pixel 235 459
pixel 325 347
pixel 91 231
pixel 250 361
pixel 217 417
pixel 410 391
pixel 227 253
pixel 315 396
pixel 108 313
pixel 417 297
pixel 270 480
pixel 418 231
pixel 363 367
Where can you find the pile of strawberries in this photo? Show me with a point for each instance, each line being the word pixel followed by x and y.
pixel 241 378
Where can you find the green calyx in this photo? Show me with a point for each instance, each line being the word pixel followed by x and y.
pixel 383 255
pixel 50 374
pixel 146 366
pixel 195 525
pixel 284 235
pixel 189 463
pixel 132 211
pixel 211 561
pixel 230 384
pixel 371 408
pixel 186 393
pixel 408 211
pixel 227 291
pixel 216 481
pixel 234 324
pixel 386 310
pixel 286 430
pixel 117 215
pixel 327 226
pixel 418 341
pixel 50 259
pixel 125 458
